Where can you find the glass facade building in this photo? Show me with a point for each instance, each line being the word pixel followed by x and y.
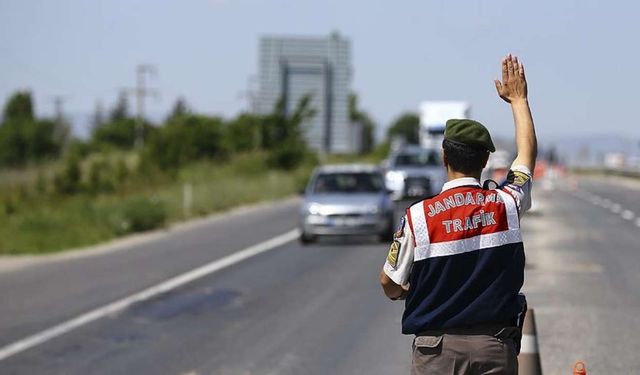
pixel 292 67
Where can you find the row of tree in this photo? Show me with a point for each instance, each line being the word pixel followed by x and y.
pixel 183 137
pixel 24 138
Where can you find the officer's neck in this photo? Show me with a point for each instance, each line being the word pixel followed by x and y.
pixel 452 175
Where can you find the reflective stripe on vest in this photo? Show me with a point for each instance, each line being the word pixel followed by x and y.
pixel 428 248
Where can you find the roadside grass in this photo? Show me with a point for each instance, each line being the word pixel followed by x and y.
pixel 33 222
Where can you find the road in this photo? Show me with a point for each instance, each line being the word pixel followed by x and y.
pixel 583 275
pixel 317 309
pixel 313 310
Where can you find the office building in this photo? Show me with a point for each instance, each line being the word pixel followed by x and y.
pixel 292 67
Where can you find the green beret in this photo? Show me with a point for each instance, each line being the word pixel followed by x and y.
pixel 469 132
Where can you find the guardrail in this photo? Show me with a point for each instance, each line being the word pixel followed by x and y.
pixel 624 172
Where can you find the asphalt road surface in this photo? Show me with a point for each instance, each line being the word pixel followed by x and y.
pixel 294 310
pixel 583 275
pixel 317 309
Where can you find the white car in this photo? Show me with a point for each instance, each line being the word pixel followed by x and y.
pixel 346 200
pixel 414 172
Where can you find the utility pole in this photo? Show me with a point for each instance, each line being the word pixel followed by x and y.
pixel 141 91
pixel 58 104
pixel 61 125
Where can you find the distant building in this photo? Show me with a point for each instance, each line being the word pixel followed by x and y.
pixel 292 67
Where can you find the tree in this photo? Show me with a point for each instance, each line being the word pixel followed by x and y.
pixel 22 137
pixel 19 107
pixel 244 132
pixel 406 126
pixel 120 129
pixel 119 134
pixel 358 116
pixel 283 133
pixel 280 126
pixel 179 109
pixel 98 118
pixel 120 110
pixel 184 139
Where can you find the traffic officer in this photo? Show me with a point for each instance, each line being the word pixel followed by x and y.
pixel 458 257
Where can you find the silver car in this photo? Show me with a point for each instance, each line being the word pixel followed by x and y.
pixel 414 172
pixel 346 200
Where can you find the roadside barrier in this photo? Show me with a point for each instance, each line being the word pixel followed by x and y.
pixel 529 358
pixel 579 369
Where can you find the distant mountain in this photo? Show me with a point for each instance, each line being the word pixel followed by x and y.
pixel 590 150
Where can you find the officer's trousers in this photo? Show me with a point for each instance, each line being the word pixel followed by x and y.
pixel 466 354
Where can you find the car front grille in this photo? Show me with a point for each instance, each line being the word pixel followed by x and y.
pixel 345 216
pixel 417 186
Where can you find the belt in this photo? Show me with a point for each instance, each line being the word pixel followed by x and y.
pixel 481 329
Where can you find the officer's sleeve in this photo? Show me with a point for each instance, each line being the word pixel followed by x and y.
pixel 400 256
pixel 518 184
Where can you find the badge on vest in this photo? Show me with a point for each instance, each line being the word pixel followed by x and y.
pixel 394 251
pixel 518 178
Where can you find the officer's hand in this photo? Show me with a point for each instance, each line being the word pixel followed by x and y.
pixel 514 83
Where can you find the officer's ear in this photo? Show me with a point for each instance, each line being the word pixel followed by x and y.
pixel 486 159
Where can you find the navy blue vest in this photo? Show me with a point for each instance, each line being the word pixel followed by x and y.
pixel 468 261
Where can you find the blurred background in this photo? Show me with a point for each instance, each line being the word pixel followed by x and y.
pixel 121 117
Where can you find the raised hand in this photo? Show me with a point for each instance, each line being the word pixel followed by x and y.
pixel 514 83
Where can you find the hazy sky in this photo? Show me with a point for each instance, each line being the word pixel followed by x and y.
pixel 580 56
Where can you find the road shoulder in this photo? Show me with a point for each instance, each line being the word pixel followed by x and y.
pixel 11 263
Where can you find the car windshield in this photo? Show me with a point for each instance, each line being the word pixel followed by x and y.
pixel 348 183
pixel 418 159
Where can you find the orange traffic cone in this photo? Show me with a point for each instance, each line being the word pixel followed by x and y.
pixel 579 369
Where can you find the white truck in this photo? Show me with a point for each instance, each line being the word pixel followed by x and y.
pixel 433 117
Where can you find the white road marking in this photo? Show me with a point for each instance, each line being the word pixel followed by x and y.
pixel 606 203
pixel 627 215
pixel 616 208
pixel 638 222
pixel 596 200
pixel 163 287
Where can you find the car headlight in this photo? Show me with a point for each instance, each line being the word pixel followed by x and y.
pixel 315 209
pixel 395 176
pixel 394 180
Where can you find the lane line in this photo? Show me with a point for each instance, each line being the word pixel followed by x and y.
pixel 163 287
pixel 608 204
pixel 596 200
pixel 627 215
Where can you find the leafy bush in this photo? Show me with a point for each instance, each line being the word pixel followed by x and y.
pixel 68 181
pixel 100 179
pixel 142 214
pixel 118 133
pixel 287 155
pixel 244 133
pixel 184 139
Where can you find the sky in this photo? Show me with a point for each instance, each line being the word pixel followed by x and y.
pixel 580 55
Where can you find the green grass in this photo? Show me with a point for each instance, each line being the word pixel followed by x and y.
pixel 33 222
